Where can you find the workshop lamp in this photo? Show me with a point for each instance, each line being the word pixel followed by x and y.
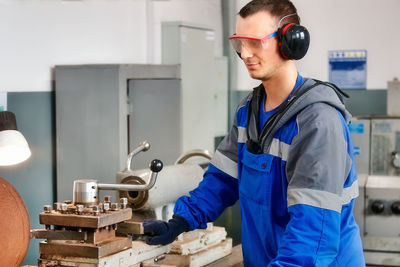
pixel 13 145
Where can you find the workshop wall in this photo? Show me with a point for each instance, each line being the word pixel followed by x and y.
pixel 38 34
pixel 343 25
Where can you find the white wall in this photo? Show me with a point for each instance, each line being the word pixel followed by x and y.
pixel 35 35
pixel 344 25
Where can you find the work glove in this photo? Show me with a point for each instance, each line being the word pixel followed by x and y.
pixel 163 233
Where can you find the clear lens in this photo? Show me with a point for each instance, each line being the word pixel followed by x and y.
pixel 250 44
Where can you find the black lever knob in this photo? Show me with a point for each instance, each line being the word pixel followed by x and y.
pixel 395 207
pixel 156 165
pixel 377 207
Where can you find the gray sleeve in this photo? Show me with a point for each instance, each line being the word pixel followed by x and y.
pixel 225 157
pixel 318 163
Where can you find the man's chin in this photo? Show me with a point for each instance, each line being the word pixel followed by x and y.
pixel 255 75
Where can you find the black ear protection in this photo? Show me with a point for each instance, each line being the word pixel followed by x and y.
pixel 293 41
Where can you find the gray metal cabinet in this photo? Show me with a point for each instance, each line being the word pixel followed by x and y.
pixel 192 47
pixel 104 111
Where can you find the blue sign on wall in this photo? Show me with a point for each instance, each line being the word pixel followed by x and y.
pixel 348 68
pixel 357 128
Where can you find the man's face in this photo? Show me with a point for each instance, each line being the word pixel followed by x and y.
pixel 264 62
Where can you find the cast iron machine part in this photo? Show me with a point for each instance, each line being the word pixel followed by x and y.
pixel 86 192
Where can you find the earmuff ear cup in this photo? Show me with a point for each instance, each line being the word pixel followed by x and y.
pixel 294 41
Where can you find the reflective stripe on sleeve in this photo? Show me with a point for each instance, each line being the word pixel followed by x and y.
pixel 315 198
pixel 279 149
pixel 242 135
pixel 322 199
pixel 350 193
pixel 225 164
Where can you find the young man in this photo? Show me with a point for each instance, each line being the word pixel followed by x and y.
pixel 288 157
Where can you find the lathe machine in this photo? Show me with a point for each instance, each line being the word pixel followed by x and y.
pixel 89 232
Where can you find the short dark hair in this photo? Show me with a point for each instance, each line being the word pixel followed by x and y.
pixel 277 8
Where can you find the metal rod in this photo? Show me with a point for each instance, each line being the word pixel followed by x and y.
pixel 192 153
pixel 143 146
pixel 131 187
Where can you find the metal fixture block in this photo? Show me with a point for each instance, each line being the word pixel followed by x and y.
pixel 86 221
pixel 86 250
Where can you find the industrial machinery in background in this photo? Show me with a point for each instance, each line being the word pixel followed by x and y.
pixel 93 233
pixel 376 141
pixel 178 106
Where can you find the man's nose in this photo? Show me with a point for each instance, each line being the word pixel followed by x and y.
pixel 245 52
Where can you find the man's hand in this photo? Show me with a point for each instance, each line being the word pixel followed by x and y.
pixel 163 233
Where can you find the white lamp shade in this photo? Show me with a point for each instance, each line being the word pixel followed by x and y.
pixel 13 148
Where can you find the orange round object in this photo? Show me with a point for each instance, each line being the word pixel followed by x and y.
pixel 14 226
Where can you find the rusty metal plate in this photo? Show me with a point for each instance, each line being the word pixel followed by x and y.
pixel 88 221
pixel 102 249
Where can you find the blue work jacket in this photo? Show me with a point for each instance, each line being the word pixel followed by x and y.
pixel 297 195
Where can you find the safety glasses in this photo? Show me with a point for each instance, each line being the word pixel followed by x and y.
pixel 250 42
